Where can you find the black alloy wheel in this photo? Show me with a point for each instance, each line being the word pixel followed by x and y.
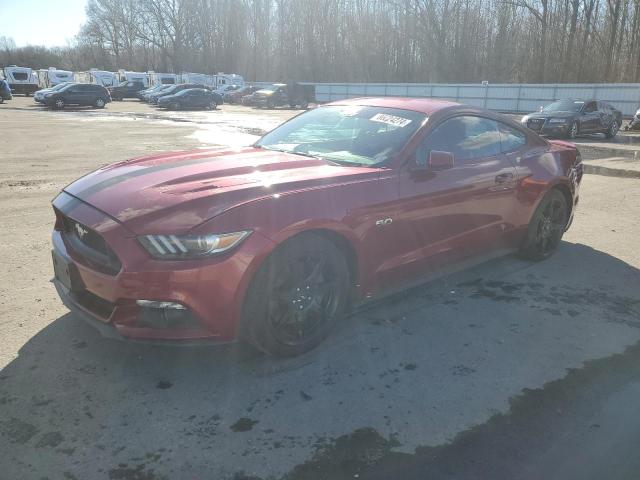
pixel 546 227
pixel 296 297
pixel 612 131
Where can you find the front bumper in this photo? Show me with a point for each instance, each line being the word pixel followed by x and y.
pixel 550 129
pixel 260 101
pixel 212 290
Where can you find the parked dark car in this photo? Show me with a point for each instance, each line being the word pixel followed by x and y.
pixel 191 98
pixel 5 91
pixel 128 89
pixel 142 94
pixel 172 90
pixel 273 243
pixel 236 96
pixel 82 94
pixel 280 94
pixel 570 118
pixel 38 96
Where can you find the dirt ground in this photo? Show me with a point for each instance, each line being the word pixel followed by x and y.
pixel 399 378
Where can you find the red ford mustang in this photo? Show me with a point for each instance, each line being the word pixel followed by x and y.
pixel 273 243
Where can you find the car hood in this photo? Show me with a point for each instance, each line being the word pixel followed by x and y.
pixel 177 191
pixel 263 92
pixel 547 115
pixel 166 98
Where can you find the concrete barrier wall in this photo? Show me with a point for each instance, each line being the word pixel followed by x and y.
pixel 517 98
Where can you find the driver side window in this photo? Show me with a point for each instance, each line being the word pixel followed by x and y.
pixel 590 107
pixel 468 137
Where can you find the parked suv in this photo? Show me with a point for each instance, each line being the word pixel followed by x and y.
pixel 128 89
pixel 280 94
pixel 83 94
pixel 570 118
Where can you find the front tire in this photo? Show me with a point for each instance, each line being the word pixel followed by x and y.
pixel 213 105
pixel 59 104
pixel 546 227
pixel 612 131
pixel 572 133
pixel 176 106
pixel 296 297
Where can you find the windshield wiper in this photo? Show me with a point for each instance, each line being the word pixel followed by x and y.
pixel 347 163
pixel 302 154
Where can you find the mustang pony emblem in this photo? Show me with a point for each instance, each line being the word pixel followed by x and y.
pixel 80 230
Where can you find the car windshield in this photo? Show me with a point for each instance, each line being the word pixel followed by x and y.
pixel 349 134
pixel 271 88
pixel 564 106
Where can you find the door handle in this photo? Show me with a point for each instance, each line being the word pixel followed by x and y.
pixel 504 177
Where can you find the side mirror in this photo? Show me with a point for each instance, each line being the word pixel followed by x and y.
pixel 441 160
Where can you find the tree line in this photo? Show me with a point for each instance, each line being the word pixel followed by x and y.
pixel 447 41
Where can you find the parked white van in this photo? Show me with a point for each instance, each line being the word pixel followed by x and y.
pixel 51 77
pixel 162 78
pixel 125 76
pixel 198 78
pixel 20 79
pixel 99 77
pixel 229 79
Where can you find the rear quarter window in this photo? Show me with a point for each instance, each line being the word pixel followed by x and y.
pixel 511 139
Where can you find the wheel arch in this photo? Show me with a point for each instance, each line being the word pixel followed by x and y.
pixel 566 192
pixel 336 236
pixel 562 188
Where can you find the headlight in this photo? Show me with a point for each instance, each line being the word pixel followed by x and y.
pixel 524 119
pixel 49 95
pixel 185 247
pixel 558 120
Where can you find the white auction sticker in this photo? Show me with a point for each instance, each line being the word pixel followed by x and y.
pixel 390 120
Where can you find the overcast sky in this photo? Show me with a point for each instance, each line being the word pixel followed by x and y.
pixel 41 22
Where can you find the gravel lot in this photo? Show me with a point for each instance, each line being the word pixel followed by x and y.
pixel 406 383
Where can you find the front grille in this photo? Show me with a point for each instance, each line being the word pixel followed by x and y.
pixel 535 123
pixel 90 246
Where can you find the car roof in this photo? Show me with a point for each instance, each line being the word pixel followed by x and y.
pixel 423 105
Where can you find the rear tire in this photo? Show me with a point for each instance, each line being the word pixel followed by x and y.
pixel 99 103
pixel 612 131
pixel 296 296
pixel 213 105
pixel 546 227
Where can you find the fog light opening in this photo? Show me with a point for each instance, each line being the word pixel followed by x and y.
pixel 166 316
pixel 160 305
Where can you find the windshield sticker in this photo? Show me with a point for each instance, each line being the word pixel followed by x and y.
pixel 390 120
pixel 351 111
